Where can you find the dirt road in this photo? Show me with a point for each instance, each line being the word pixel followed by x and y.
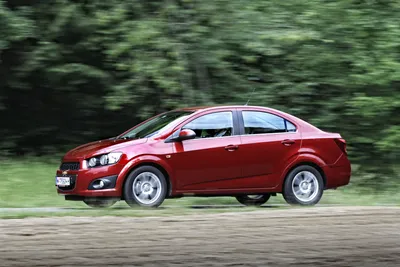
pixel 320 236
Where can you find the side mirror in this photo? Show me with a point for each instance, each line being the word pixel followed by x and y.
pixel 182 135
pixel 186 134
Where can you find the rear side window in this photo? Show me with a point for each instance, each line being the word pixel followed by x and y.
pixel 290 126
pixel 216 124
pixel 257 122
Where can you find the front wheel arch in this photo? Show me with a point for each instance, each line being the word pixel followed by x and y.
pixel 155 165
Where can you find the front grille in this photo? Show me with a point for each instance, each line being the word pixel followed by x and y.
pixel 72 166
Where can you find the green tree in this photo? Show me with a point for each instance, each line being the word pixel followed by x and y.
pixel 74 71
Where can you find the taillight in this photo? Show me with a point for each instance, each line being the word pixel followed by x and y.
pixel 341 144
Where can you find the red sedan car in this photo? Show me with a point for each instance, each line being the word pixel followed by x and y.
pixel 247 152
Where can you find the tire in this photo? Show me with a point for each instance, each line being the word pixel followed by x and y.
pixel 303 186
pixel 253 200
pixel 150 187
pixel 99 202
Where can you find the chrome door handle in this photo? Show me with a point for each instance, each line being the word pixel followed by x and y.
pixel 231 147
pixel 288 142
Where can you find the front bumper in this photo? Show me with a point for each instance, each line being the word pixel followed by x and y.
pixel 82 181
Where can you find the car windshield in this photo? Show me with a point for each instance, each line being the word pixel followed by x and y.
pixel 156 125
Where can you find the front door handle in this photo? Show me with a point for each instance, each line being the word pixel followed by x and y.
pixel 288 142
pixel 231 147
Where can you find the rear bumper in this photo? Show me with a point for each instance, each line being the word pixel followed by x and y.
pixel 83 179
pixel 337 174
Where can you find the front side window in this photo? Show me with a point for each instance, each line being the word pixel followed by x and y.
pixel 217 124
pixel 256 122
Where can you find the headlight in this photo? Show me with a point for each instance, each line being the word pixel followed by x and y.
pixel 92 162
pixel 106 159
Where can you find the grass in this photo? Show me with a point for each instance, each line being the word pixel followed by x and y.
pixel 30 183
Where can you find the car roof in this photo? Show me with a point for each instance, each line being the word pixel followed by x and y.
pixel 216 107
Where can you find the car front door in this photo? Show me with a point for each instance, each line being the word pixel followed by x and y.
pixel 208 162
pixel 269 144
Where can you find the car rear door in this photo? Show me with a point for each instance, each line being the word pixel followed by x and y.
pixel 210 161
pixel 268 144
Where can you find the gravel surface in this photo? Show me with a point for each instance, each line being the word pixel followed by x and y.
pixel 319 236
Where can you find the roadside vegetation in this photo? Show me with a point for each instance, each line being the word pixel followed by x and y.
pixel 79 71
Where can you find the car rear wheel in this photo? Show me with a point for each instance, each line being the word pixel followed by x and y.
pixel 99 202
pixel 303 186
pixel 146 186
pixel 253 200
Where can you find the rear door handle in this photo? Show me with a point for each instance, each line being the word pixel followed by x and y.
pixel 231 147
pixel 288 142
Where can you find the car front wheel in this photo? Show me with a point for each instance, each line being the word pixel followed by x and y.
pixel 253 200
pixel 146 186
pixel 303 186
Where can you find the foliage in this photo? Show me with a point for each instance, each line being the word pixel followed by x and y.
pixel 74 71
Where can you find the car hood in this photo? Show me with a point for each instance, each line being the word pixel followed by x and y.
pixel 101 147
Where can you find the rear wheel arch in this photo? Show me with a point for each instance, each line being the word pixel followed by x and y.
pixel 153 164
pixel 304 163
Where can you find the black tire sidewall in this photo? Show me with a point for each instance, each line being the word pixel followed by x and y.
pixel 245 200
pixel 288 193
pixel 129 196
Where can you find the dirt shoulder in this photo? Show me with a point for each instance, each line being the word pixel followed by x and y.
pixel 320 236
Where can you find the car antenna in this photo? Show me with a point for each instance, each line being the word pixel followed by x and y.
pixel 248 100
pixel 252 79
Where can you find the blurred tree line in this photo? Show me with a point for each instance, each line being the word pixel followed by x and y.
pixel 74 71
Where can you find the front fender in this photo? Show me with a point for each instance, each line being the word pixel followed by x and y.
pixel 140 160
